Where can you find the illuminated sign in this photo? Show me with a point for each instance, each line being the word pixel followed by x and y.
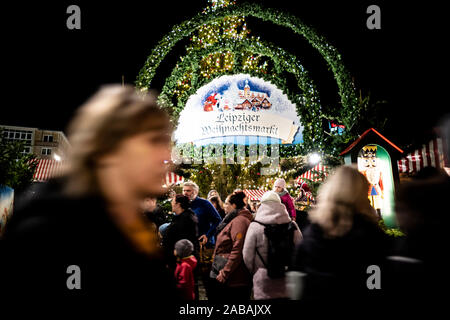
pixel 239 109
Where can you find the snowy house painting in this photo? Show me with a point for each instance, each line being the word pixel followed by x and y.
pixel 235 93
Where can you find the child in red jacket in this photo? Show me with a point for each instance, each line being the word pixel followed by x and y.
pixel 184 272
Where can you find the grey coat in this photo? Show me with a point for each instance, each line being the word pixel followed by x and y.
pixel 270 212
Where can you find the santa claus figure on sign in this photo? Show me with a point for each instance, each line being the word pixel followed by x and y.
pixel 212 103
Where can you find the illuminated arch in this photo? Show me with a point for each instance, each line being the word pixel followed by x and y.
pixel 328 52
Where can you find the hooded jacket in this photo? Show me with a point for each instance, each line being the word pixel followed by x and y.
pixel 184 277
pixel 286 199
pixel 230 242
pixel 271 211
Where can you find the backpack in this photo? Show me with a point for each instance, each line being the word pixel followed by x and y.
pixel 280 248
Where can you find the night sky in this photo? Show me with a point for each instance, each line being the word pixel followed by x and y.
pixel 50 70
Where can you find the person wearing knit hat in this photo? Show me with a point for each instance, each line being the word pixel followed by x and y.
pixel 279 183
pixel 270 196
pixel 184 272
pixel 183 248
pixel 256 247
pixel 280 188
pixel 162 228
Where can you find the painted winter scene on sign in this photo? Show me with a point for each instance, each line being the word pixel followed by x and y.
pixel 239 109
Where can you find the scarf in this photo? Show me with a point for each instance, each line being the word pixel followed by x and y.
pixel 226 221
pixel 282 193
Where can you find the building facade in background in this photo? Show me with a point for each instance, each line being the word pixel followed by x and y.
pixel 45 144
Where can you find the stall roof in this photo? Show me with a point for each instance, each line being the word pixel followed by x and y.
pixel 430 154
pixel 318 172
pixel 49 168
pixel 368 131
pixel 254 194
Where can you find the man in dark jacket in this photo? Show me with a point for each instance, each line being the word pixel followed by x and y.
pixel 183 226
pixel 208 217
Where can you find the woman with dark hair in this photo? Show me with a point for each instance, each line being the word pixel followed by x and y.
pixel 218 204
pixel 183 226
pixel 232 279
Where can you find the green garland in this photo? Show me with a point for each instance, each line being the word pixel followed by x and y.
pixel 283 62
pixel 308 105
pixel 330 54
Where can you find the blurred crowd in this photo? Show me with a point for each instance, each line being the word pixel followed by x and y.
pixel 103 217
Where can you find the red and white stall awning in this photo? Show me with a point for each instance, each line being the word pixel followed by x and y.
pixel 48 168
pixel 173 178
pixel 314 174
pixel 430 154
pixel 254 194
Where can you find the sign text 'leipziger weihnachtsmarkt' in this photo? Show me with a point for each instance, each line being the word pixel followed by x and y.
pixel 239 109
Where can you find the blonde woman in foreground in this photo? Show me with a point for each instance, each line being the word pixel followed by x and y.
pixel 343 240
pixel 84 235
